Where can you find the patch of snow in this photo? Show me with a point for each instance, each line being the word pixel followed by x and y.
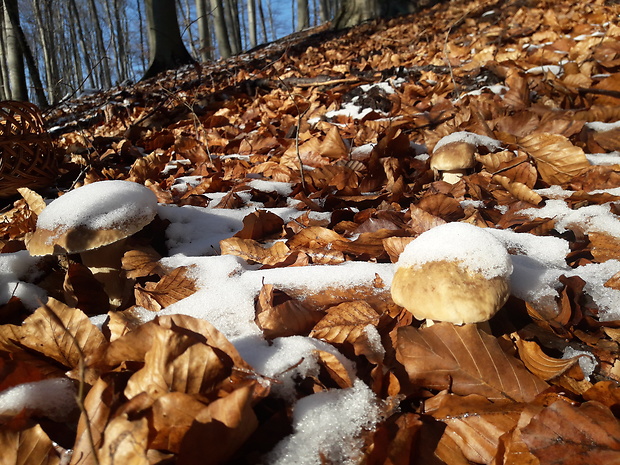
pixel 554 69
pixel 282 188
pixel 37 396
pixel 471 138
pixel 604 159
pixel 287 360
pixel 602 127
pixel 328 424
pixel 587 360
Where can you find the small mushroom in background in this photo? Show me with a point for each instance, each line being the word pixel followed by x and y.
pixel 455 272
pixel 451 161
pixel 94 221
pixel 455 155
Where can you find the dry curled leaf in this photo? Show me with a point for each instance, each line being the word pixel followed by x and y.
pixel 279 315
pixel 519 190
pixel 541 364
pixel 252 251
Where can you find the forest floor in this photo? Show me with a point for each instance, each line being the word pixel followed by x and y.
pixel 259 325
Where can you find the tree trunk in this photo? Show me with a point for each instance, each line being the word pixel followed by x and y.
pixel 231 13
pixel 204 34
pixel 303 15
pixel 166 48
pixel 106 78
pixel 221 31
pixel 15 58
pixel 354 12
pixel 252 23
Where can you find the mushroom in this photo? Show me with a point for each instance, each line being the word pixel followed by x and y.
pixel 95 220
pixel 452 160
pixel 455 272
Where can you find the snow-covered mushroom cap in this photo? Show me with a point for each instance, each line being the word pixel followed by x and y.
pixel 93 216
pixel 455 272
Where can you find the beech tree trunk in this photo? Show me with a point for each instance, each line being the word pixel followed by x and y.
pixel 303 15
pixel 354 12
pixel 221 30
pixel 18 90
pixel 204 34
pixel 166 48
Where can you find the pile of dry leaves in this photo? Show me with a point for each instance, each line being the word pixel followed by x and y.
pixel 529 74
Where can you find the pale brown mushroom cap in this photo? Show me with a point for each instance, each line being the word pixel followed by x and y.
pixel 92 216
pixel 445 291
pixel 458 155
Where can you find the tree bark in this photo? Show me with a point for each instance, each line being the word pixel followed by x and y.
pixel 106 78
pixel 252 23
pixel 166 48
pixel 204 34
pixel 15 58
pixel 303 15
pixel 354 12
pixel 221 31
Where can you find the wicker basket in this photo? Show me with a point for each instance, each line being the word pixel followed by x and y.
pixel 27 155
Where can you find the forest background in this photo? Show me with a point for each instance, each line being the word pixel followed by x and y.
pixel 79 46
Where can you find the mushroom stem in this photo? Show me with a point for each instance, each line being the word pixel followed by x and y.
pixel 106 265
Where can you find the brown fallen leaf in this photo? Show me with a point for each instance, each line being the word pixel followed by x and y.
pixel 83 291
pixel 252 251
pixel 557 159
pixel 100 402
pixel 519 190
pixel 125 441
pixel 562 434
pixel 279 315
pixel 141 262
pixel 178 361
pixel 474 423
pixel 219 430
pixel 172 288
pixel 604 246
pixel 541 364
pixel 345 322
pixel 53 330
pixel 260 224
pixel 336 370
pixel 28 446
pixel 464 360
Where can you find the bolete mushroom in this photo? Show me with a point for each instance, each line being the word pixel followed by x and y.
pixel 455 272
pixel 94 221
pixel 455 154
pixel 451 161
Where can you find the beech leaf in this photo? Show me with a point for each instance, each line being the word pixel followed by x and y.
pixel 541 364
pixel 465 360
pixel 125 441
pixel 557 159
pixel 345 322
pixel 279 315
pixel 474 423
pixel 29 446
pixel 54 330
pixel 252 251
pixel 562 434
